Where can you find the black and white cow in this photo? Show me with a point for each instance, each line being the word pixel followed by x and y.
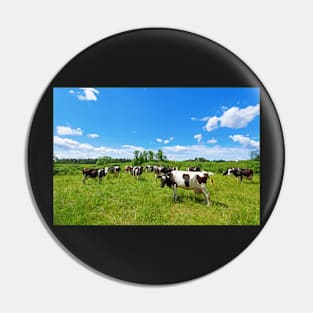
pixel 137 171
pixel 114 170
pixel 187 180
pixel 93 173
pixel 193 169
pixel 159 170
pixel 240 172
pixel 149 168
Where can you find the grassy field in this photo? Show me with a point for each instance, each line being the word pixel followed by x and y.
pixel 125 201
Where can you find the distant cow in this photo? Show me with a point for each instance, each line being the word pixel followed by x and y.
pixel 159 170
pixel 240 172
pixel 187 180
pixel 93 173
pixel 115 170
pixel 149 168
pixel 174 168
pixel 137 171
pixel 128 168
pixel 194 169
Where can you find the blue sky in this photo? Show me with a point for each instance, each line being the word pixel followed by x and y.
pixel 214 123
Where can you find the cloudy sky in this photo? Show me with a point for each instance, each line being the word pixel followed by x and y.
pixel 214 123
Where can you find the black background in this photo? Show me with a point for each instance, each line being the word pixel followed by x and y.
pixel 160 58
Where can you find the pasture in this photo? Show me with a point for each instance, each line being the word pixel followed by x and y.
pixel 126 201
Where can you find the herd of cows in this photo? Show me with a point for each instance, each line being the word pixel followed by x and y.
pixel 192 178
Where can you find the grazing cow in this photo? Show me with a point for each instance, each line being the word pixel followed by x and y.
pixel 159 170
pixel 93 173
pixel 149 168
pixel 117 170
pixel 137 171
pixel 210 176
pixel 128 168
pixel 187 180
pixel 240 172
pixel 114 170
pixel 193 169
pixel 173 168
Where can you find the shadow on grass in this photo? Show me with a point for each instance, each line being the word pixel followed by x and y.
pixel 220 204
pixel 252 182
pixel 141 178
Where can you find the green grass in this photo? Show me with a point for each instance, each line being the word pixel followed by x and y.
pixel 125 201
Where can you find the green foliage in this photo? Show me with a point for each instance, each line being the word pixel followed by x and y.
pixel 255 155
pixel 150 156
pixel 66 169
pixel 212 166
pixel 160 156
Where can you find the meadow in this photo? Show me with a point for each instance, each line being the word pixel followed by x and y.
pixel 124 200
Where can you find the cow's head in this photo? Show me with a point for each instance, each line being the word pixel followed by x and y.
pixel 228 171
pixel 167 179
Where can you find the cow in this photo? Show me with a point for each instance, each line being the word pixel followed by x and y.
pixel 187 180
pixel 149 168
pixel 159 170
pixel 137 171
pixel 128 168
pixel 174 168
pixel 93 173
pixel 240 172
pixel 193 169
pixel 114 170
pixel 210 176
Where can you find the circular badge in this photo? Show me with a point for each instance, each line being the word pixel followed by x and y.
pixel 155 156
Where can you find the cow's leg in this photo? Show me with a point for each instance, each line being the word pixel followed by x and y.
pixel 175 192
pixel 84 179
pixel 206 194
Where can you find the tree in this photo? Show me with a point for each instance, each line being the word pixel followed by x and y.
pixel 136 154
pixel 145 156
pixel 255 155
pixel 137 158
pixel 150 156
pixel 160 156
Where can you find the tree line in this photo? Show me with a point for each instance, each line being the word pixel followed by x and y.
pixel 140 157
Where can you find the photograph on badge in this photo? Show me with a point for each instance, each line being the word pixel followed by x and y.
pixel 151 156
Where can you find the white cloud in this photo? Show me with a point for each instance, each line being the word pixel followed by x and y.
pixel 133 147
pixel 212 123
pixel 68 148
pixel 86 94
pixel 246 141
pixel 66 130
pixel 198 137
pixel 93 136
pixel 212 141
pixel 202 119
pixel 211 153
pixel 165 141
pixel 233 118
